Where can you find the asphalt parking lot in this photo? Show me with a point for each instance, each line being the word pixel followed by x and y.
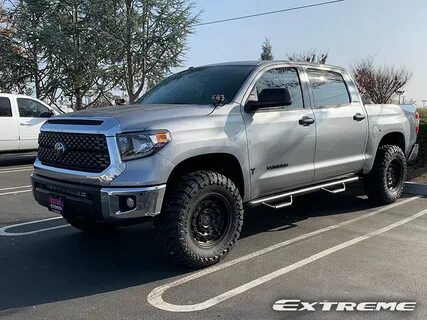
pixel 324 248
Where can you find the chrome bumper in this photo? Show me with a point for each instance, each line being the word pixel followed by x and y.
pixel 98 203
pixel 148 201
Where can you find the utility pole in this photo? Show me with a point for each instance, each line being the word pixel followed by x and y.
pixel 399 93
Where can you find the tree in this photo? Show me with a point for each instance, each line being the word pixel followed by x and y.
pixel 378 84
pixel 12 64
pixel 30 19
pixel 78 48
pixel 148 38
pixel 267 50
pixel 76 51
pixel 309 56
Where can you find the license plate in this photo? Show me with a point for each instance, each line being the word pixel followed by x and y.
pixel 56 204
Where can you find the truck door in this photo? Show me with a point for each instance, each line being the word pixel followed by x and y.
pixel 32 115
pixel 9 136
pixel 341 125
pixel 281 140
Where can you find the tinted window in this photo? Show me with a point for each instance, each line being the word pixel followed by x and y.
pixel 29 108
pixel 5 108
pixel 285 78
pixel 328 88
pixel 198 85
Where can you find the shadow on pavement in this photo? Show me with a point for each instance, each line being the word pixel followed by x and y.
pixel 67 264
pixel 17 159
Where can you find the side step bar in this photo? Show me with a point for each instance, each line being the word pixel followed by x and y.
pixel 267 201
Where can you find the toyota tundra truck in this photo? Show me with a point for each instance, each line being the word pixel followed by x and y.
pixel 196 148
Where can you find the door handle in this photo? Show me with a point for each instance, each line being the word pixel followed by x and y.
pixel 359 117
pixel 306 121
pixel 26 124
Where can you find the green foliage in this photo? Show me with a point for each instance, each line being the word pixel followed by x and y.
pixel 147 38
pixel 422 139
pixel 423 115
pixel 13 75
pixel 87 47
pixel 76 52
pixel 267 50
pixel 30 20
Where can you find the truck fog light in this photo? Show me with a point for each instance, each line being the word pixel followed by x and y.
pixel 130 203
pixel 127 203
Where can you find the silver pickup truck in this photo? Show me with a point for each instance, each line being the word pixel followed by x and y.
pixel 204 142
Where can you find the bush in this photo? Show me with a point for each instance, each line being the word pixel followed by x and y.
pixel 422 139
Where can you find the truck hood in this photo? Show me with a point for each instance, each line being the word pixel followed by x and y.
pixel 137 117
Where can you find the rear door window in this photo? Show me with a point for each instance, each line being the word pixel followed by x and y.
pixel 328 88
pixel 5 108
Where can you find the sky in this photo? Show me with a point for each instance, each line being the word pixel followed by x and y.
pixel 392 31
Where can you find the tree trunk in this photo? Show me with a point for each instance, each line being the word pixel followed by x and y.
pixel 129 62
pixel 36 74
pixel 79 100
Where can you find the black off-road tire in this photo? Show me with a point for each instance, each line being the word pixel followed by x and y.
pixel 377 183
pixel 90 226
pixel 177 226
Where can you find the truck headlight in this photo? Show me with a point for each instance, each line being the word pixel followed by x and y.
pixel 134 145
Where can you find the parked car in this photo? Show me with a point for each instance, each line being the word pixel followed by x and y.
pixel 202 143
pixel 20 120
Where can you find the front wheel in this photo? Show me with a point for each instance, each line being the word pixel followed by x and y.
pixel 201 220
pixel 384 184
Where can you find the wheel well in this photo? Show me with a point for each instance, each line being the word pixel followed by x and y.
pixel 395 139
pixel 222 163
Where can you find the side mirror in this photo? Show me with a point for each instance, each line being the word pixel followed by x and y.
pixel 47 114
pixel 218 100
pixel 120 102
pixel 269 98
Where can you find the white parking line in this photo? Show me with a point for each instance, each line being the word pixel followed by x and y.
pixel 15 192
pixel 17 170
pixel 4 233
pixel 14 188
pixel 155 296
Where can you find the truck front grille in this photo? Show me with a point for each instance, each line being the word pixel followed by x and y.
pixel 74 151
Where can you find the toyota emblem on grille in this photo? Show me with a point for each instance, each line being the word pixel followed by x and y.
pixel 59 149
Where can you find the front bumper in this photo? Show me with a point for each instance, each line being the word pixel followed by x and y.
pixel 100 204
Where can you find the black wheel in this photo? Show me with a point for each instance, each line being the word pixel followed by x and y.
pixel 201 220
pixel 385 183
pixel 90 226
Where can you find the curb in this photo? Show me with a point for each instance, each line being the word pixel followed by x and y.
pixel 415 188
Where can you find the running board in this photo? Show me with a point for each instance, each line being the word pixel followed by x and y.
pixel 289 195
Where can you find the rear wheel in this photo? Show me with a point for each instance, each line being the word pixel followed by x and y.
pixel 385 183
pixel 201 220
pixel 90 226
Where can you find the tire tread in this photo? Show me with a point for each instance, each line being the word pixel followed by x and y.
pixel 170 226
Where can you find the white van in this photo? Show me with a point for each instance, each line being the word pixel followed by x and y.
pixel 20 120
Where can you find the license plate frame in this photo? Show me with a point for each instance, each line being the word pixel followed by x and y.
pixel 56 204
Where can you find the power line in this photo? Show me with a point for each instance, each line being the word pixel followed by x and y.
pixel 268 13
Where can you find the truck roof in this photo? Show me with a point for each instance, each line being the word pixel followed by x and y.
pixel 272 62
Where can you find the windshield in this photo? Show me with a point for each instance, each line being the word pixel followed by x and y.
pixel 198 85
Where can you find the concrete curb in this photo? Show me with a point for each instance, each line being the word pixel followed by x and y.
pixel 415 188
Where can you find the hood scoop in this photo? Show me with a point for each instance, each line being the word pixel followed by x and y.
pixel 76 122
